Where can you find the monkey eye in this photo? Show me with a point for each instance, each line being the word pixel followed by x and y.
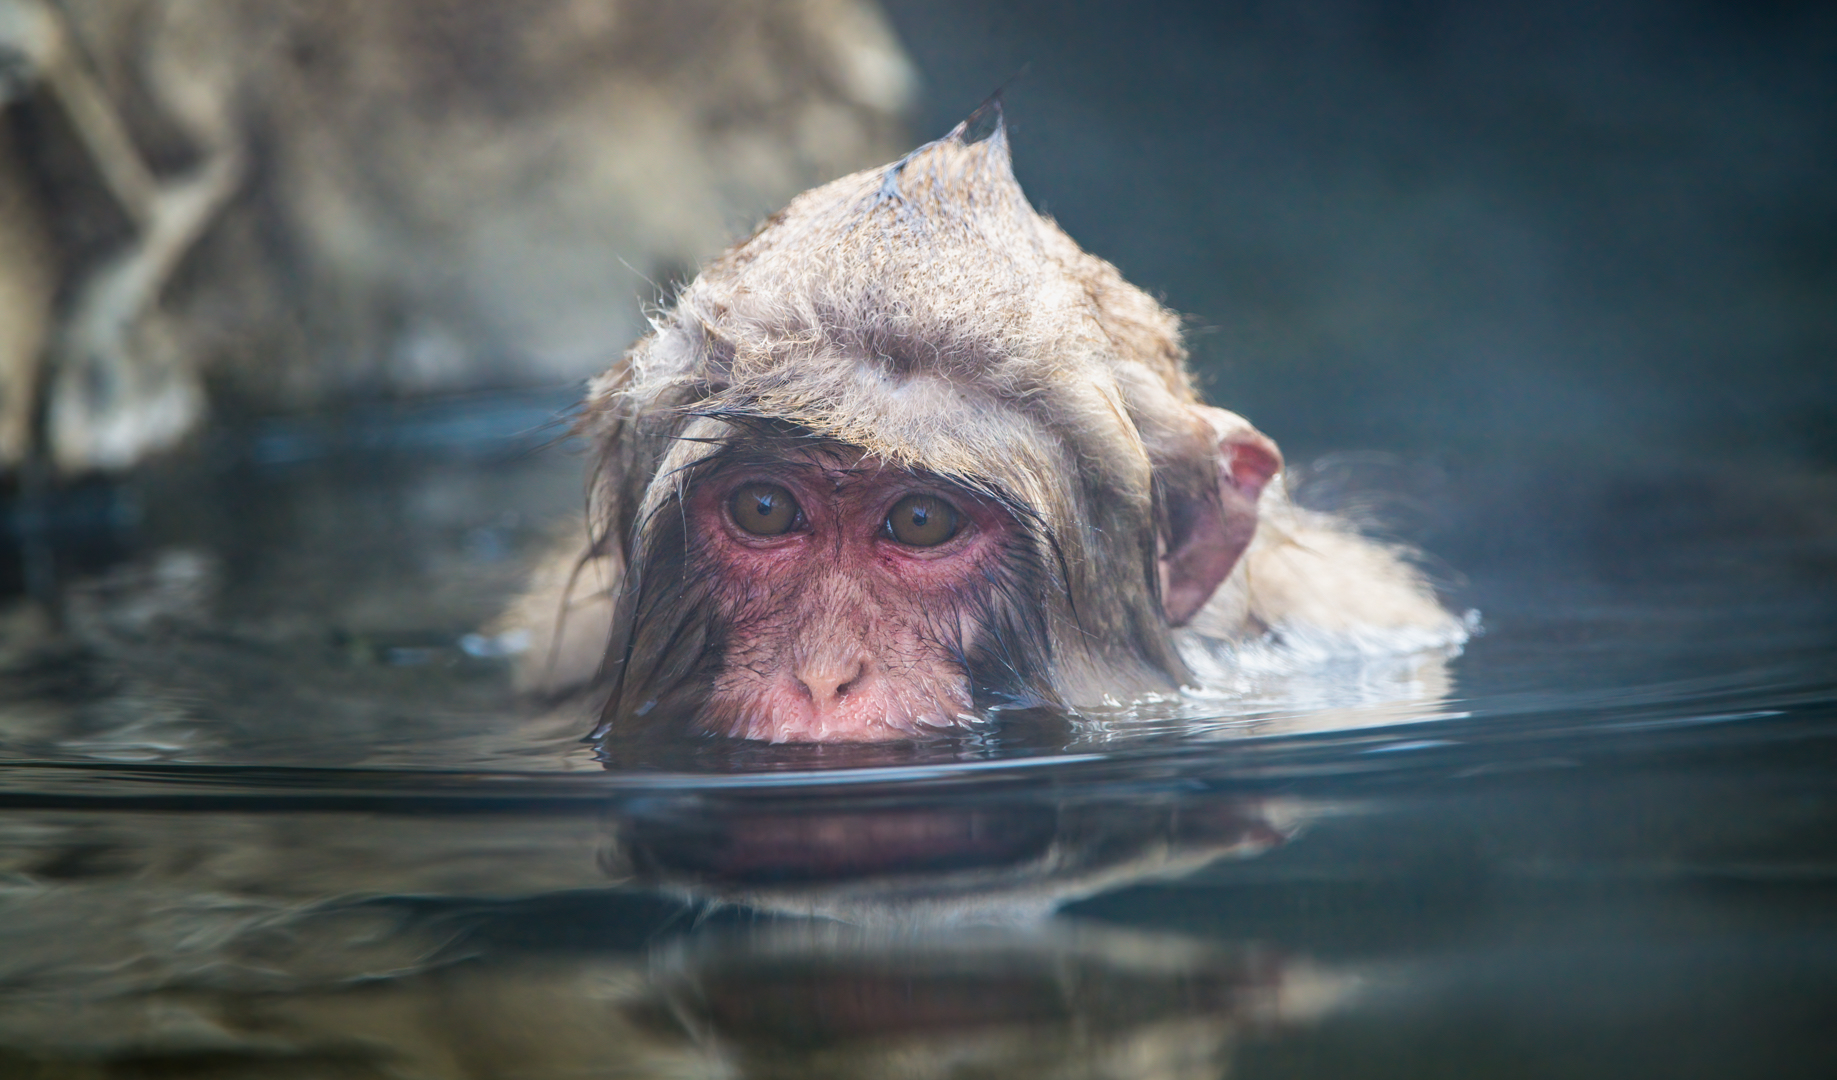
pixel 763 509
pixel 922 521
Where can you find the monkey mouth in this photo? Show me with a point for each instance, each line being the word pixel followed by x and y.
pixel 782 714
pixel 808 727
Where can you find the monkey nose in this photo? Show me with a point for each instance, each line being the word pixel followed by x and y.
pixel 830 679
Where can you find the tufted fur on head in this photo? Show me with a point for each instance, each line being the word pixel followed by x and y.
pixel 925 316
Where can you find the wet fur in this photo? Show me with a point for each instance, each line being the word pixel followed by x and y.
pixel 923 315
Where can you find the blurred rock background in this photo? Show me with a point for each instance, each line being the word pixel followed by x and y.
pixel 259 207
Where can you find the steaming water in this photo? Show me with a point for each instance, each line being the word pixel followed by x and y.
pixel 268 809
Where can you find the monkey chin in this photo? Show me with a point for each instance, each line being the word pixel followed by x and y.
pixel 786 712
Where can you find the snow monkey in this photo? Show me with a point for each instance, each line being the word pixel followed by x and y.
pixel 908 453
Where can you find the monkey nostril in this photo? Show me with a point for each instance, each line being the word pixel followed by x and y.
pixel 827 683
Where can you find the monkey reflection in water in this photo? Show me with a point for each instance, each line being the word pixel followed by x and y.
pixel 908 454
pixel 363 944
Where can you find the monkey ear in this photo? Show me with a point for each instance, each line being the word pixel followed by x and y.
pixel 1209 495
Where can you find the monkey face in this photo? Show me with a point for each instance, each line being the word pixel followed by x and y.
pixel 906 454
pixel 848 595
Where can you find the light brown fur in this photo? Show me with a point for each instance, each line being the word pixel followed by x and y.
pixel 924 314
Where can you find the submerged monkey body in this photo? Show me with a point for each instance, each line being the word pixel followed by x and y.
pixel 909 452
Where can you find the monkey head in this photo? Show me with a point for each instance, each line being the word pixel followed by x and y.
pixel 904 454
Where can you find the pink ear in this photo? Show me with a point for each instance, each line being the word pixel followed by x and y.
pixel 1209 524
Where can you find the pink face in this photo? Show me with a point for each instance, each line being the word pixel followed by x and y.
pixel 849 596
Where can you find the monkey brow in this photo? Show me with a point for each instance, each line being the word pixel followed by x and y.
pixel 763 440
pixel 755 435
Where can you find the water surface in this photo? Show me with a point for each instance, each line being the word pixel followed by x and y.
pixel 267 807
